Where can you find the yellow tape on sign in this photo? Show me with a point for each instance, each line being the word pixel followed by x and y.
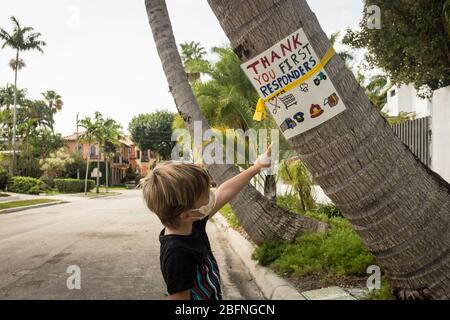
pixel 260 107
pixel 260 111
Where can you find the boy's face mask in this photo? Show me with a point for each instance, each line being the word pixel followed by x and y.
pixel 206 209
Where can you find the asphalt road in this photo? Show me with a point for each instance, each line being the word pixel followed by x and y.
pixel 114 243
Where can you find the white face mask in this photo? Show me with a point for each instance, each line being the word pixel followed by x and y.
pixel 206 209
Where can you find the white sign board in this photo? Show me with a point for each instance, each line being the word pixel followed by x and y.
pixel 308 104
pixel 95 172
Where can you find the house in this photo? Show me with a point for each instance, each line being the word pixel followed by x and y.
pixel 437 111
pixel 128 157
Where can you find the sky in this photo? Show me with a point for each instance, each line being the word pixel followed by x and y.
pixel 100 54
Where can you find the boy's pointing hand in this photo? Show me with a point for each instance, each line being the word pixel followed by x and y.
pixel 265 160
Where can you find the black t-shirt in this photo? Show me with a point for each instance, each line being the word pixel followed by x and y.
pixel 187 262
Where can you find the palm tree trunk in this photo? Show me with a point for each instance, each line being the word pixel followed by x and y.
pixel 270 187
pixel 98 170
pixel 260 218
pixel 87 170
pixel 107 174
pixel 399 207
pixel 14 161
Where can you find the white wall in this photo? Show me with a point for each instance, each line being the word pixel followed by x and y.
pixel 440 146
pixel 405 99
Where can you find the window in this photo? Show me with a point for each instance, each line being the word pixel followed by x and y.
pixel 93 150
pixel 392 93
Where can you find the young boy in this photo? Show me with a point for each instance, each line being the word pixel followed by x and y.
pixel 179 193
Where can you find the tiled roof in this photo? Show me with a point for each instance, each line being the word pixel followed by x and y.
pixel 124 140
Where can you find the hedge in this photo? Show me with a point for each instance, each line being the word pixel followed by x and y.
pixel 26 185
pixel 73 185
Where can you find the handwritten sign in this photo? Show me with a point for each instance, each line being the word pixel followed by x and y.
pixel 307 104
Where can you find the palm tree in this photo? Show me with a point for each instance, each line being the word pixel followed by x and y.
pixel 21 39
pixel 54 100
pixel 192 54
pixel 17 65
pixel 89 136
pixel 7 98
pixel 262 219
pixel 398 206
pixel 111 136
pixel 99 134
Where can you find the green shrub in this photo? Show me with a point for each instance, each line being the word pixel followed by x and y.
pixel 340 251
pixel 26 185
pixel 291 203
pixel 330 210
pixel 73 185
pixel 4 178
pixel 229 214
pixel 383 294
pixel 269 252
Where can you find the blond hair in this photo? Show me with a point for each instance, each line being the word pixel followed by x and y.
pixel 172 188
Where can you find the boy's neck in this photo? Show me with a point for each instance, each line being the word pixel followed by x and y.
pixel 182 230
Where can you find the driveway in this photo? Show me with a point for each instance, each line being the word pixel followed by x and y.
pixel 114 243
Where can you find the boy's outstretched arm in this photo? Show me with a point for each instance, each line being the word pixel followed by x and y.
pixel 230 188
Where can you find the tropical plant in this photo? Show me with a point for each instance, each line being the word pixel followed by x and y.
pixel 294 173
pixel 399 207
pixel 255 212
pixel 192 54
pixel 111 141
pixel 20 39
pixel 89 136
pixel 55 165
pixel 54 100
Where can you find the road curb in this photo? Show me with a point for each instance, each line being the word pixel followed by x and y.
pixel 41 205
pixel 272 286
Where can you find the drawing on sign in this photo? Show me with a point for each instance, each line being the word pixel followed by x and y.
pixel 299 117
pixel 288 100
pixel 319 78
pixel 291 81
pixel 304 87
pixel 274 103
pixel 315 111
pixel 332 100
pixel 288 124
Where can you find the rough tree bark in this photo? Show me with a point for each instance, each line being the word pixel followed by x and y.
pixel 260 218
pixel 399 207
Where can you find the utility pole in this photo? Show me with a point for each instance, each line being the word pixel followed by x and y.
pixel 78 150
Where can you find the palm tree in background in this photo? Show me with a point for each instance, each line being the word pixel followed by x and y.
pixel 54 100
pixel 192 55
pixel 111 141
pixel 261 218
pixel 89 136
pixel 17 64
pixel 399 207
pixel 7 97
pixel 21 39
